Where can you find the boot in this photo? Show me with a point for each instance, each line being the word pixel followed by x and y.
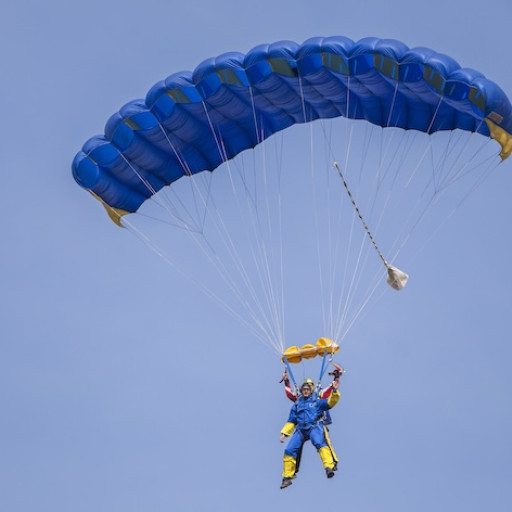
pixel 329 472
pixel 286 483
pixel 327 460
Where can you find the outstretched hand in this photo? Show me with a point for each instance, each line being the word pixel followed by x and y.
pixel 281 439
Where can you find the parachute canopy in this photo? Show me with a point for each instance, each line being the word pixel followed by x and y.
pixel 194 121
pixel 279 228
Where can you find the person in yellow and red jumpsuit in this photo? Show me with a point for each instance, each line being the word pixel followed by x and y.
pixel 305 423
pixel 326 420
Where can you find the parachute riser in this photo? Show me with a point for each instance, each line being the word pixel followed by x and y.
pixel 323 369
pixel 290 373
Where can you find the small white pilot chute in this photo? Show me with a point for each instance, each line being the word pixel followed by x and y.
pixel 396 278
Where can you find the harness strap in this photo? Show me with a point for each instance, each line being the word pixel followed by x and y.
pixel 322 371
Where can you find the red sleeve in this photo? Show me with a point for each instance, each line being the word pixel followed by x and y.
pixel 326 392
pixel 289 393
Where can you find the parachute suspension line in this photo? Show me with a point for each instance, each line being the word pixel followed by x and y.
pixel 263 273
pixel 166 199
pixel 163 200
pixel 337 298
pixel 437 185
pixel 211 255
pixel 352 200
pixel 338 295
pixel 350 273
pixel 441 175
pixel 324 230
pixel 326 323
pixel 395 161
pixel 281 253
pixel 470 164
pixel 345 323
pixel 348 301
pixel 243 273
pixel 345 327
pixel 345 294
pixel 454 163
pixel 255 118
pixel 397 246
pixel 138 174
pixel 490 167
pixel 302 100
pixel 272 282
pixel 207 291
pixel 356 275
pixel 348 146
pixel 216 262
pixel 220 147
pixel 188 172
pixel 208 251
pixel 261 262
pixel 226 275
pixel 157 198
pixel 341 299
pixel 326 309
pixel 148 185
pixel 434 232
pixel 434 116
pixel 397 158
pixel 350 276
pixel 388 122
pixel 276 293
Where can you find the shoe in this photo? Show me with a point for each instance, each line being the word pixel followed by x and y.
pixel 329 472
pixel 335 468
pixel 286 483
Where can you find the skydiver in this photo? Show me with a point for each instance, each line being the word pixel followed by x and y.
pixel 326 419
pixel 305 422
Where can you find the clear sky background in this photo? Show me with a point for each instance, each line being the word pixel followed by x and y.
pixel 122 388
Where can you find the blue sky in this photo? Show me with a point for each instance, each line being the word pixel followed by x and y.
pixel 124 388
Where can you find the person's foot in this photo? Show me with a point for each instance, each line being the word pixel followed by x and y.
pixel 286 482
pixel 329 472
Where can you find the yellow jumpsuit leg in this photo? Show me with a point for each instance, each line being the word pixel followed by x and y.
pixel 329 444
pixel 326 456
pixel 289 464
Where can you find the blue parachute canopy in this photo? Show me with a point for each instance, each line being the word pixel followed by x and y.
pixel 194 121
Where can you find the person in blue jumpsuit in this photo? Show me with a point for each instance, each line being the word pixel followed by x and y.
pixel 305 422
